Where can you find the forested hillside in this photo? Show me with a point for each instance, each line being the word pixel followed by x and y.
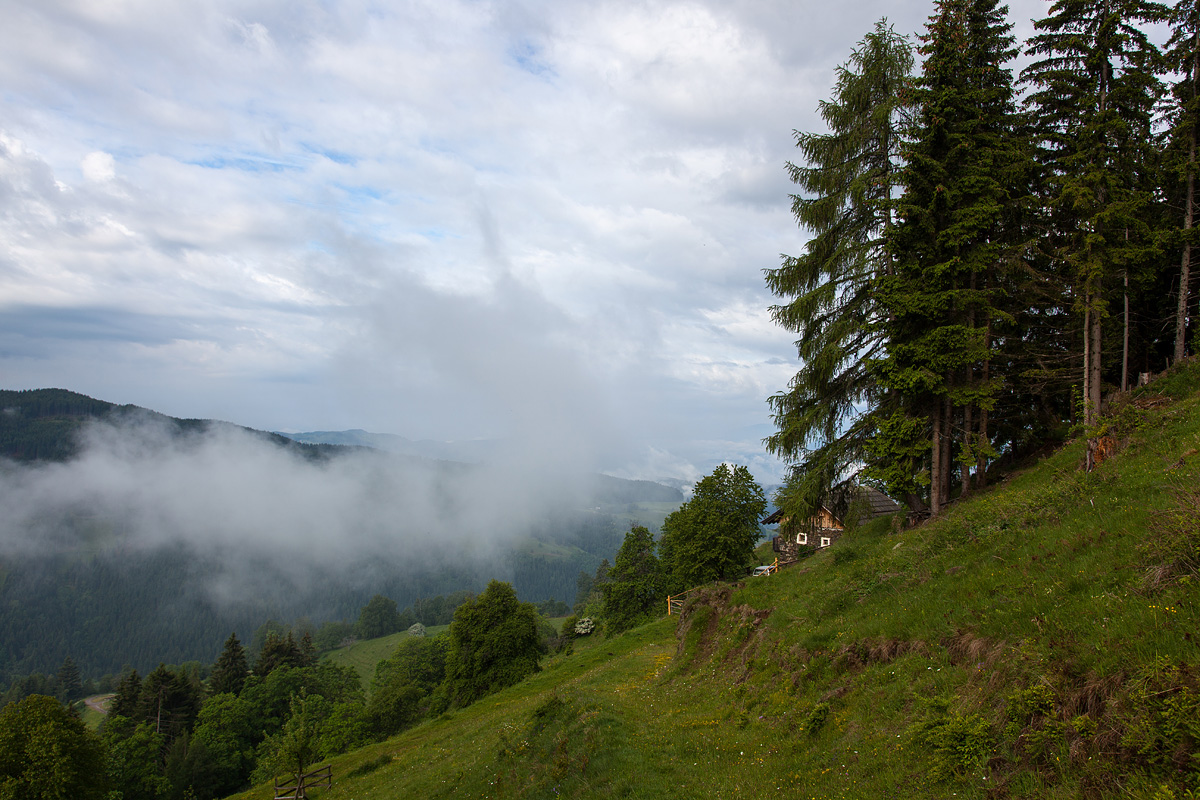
pixel 45 425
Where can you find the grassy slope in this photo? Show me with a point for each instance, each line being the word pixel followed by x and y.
pixel 1012 649
pixel 364 655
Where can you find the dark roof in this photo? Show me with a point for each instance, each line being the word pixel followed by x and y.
pixel 878 505
pixel 774 517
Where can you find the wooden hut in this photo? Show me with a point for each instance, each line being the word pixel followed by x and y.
pixel 824 527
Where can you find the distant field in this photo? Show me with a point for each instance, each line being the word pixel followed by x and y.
pixel 94 709
pixel 650 515
pixel 364 655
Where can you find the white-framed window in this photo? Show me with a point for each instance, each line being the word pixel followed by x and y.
pixel 801 538
pixel 824 541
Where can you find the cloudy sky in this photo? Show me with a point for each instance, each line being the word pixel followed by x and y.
pixel 542 221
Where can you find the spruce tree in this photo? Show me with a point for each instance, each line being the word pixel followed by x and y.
pixel 964 181
pixel 70 684
pixel 1094 88
pixel 846 200
pixel 129 691
pixel 229 673
pixel 168 702
pixel 278 650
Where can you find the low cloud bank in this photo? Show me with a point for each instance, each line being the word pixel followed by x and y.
pixel 240 503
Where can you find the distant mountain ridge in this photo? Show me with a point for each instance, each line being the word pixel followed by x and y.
pixel 44 424
pixel 608 489
pixel 471 451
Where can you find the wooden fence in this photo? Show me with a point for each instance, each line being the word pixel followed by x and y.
pixel 675 601
pixel 296 787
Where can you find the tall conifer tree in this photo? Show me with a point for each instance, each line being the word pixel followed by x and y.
pixel 964 182
pixel 229 673
pixel 70 684
pixel 1094 90
pixel 846 199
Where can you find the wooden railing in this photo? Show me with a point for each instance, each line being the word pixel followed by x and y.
pixel 675 601
pixel 296 787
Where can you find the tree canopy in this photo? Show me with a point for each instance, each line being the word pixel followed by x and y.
pixel 494 643
pixel 712 535
pixel 953 296
pixel 633 589
pixel 46 753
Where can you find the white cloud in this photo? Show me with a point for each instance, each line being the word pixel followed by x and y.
pixel 530 216
pixel 98 167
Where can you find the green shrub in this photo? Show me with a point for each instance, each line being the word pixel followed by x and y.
pixel 844 555
pixel 957 743
pixel 550 755
pixel 370 766
pixel 1173 549
pixel 814 720
pixel 1026 705
pixel 1163 728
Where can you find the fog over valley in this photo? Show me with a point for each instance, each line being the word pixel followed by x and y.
pixel 248 525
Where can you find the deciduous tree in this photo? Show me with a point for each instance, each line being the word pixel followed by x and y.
pixel 712 535
pixel 494 643
pixel 46 753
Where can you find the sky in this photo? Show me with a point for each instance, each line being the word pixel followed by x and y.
pixel 538 222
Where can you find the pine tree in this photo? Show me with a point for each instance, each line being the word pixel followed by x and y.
pixel 965 176
pixel 168 702
pixel 847 182
pixel 229 673
pixel 278 651
pixel 1093 97
pixel 307 651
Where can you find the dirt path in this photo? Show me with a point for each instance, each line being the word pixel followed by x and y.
pixel 99 702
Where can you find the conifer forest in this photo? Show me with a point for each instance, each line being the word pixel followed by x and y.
pixel 1001 232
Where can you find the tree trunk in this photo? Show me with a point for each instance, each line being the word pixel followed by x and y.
pixel 968 437
pixel 1091 369
pixel 1125 338
pixel 935 469
pixel 1189 210
pixel 947 472
pixel 983 441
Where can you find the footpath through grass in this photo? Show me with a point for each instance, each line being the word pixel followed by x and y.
pixel 1038 641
